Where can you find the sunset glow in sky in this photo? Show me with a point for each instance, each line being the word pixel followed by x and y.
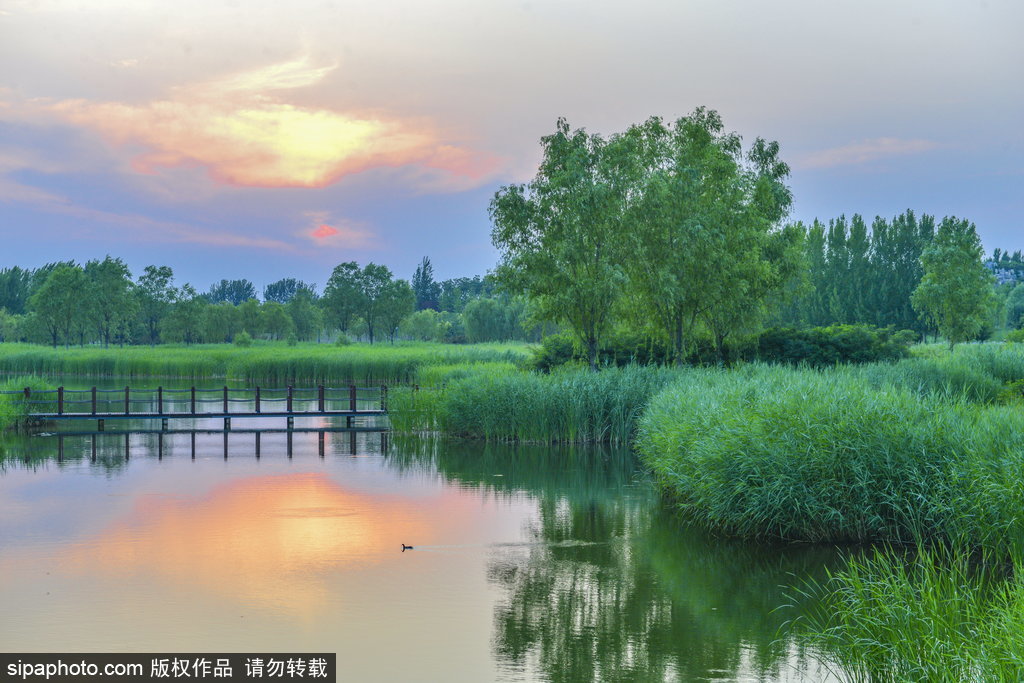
pixel 264 139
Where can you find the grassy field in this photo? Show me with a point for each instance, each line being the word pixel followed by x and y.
pixel 272 364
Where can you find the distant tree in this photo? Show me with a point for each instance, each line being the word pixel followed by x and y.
pixel 285 290
pixel 109 298
pixel 1015 307
pixel 397 301
pixel 57 303
pixel 427 291
pixel 494 319
pixel 249 317
pixel 233 291
pixel 373 285
pixel 455 293
pixel 155 292
pixel 275 320
pixel 425 325
pixel 15 289
pixel 305 314
pixel 184 321
pixel 956 290
pixel 220 323
pixel 341 295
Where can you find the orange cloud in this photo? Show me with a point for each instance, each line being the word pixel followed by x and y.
pixel 244 133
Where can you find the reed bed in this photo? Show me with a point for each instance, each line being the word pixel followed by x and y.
pixel 825 456
pixel 271 364
pixel 933 614
pixel 573 405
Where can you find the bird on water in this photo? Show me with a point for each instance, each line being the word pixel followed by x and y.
pixel 406 547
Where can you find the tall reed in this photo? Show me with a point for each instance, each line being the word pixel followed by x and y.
pixel 772 452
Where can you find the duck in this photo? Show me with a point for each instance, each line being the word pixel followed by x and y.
pixel 406 547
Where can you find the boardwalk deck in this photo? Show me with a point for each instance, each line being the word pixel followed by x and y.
pixel 162 404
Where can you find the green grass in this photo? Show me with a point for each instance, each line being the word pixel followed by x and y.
pixel 270 364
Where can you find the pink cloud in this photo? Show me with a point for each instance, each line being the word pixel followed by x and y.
pixel 324 231
pixel 865 151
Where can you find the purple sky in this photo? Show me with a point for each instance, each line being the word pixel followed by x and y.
pixel 267 139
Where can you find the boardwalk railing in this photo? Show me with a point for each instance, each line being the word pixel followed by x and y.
pixel 222 402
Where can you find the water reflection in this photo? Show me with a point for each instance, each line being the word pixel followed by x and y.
pixel 532 563
pixel 261 541
pixel 616 588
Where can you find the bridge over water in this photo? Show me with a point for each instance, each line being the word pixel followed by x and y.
pixel 227 403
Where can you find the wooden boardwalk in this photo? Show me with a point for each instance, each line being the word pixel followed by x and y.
pixel 224 403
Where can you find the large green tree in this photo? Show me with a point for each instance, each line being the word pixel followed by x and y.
pixel 956 291
pixel 560 235
pixel 702 218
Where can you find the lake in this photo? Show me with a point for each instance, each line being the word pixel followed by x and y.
pixel 529 563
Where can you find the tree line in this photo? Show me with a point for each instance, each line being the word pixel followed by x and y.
pixel 676 231
pixel 101 302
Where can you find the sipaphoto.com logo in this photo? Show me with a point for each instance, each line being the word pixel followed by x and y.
pixel 25 670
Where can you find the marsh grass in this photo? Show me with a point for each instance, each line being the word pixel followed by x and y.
pixel 826 456
pixel 931 614
pixel 273 364
pixel 499 403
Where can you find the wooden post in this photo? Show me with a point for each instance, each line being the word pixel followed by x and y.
pixel 193 401
pixel 60 402
pixel 289 399
pixel 94 400
pixel 127 447
pixel 257 445
pixel 289 445
pixel 160 447
pixel 352 397
pixel 320 441
pixel 384 397
pixel 93 447
pixel 193 445
pixel 225 445
pixel 320 397
pixel 28 393
pixel 257 399
pixel 99 426
pixel 127 404
pixel 291 423
pixel 160 401
pixel 226 399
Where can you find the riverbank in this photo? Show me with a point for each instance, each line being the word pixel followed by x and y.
pixel 272 364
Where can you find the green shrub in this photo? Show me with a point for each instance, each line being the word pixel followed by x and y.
pixel 837 344
pixel 1015 336
pixel 243 339
pixel 343 340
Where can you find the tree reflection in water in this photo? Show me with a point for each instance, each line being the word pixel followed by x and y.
pixel 613 586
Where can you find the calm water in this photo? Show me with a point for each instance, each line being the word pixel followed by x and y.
pixel 529 563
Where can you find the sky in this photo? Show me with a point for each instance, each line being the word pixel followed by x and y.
pixel 256 139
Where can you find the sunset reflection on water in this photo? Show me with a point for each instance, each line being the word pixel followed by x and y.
pixel 264 541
